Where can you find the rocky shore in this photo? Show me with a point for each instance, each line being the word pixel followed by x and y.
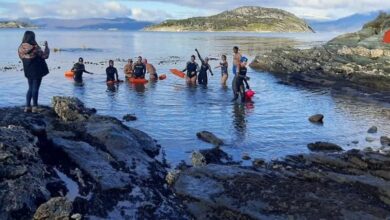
pixel 357 60
pixel 67 162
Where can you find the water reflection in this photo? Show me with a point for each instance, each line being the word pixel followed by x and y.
pixel 239 120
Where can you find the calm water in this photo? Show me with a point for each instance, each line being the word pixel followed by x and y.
pixel 171 112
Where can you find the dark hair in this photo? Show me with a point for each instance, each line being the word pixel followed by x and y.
pixel 140 57
pixel 81 59
pixel 224 56
pixel 29 37
pixel 193 56
pixel 110 61
pixel 235 48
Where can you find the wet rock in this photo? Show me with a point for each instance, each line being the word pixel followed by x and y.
pixel 258 162
pixel 351 184
pixel 71 109
pixel 385 141
pixel 355 142
pixel 246 156
pixel 172 176
pixel 372 130
pixel 209 138
pixel 22 174
pixel 318 118
pixel 324 146
pixel 207 156
pixel 129 117
pixel 56 208
pixel 370 139
pixel 76 216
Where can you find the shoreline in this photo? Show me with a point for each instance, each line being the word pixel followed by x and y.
pixel 114 165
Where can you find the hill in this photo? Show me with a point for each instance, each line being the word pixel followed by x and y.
pixel 246 19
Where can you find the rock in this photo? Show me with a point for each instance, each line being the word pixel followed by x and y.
pixel 129 117
pixel 76 216
pixel 385 141
pixel 71 109
pixel 209 138
pixel 23 174
pixel 355 142
pixel 370 139
pixel 318 118
pixel 56 208
pixel 207 156
pixel 372 130
pixel 246 156
pixel 258 162
pixel 306 186
pixel 172 176
pixel 324 146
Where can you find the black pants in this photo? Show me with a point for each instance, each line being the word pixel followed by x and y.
pixel 238 89
pixel 202 78
pixel 33 91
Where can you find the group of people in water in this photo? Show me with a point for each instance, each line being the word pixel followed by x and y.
pixel 35 68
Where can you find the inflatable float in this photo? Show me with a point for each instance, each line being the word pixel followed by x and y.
pixel 386 37
pixel 69 73
pixel 249 95
pixel 162 77
pixel 138 81
pixel 178 73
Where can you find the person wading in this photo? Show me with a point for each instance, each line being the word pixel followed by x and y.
pixel 34 66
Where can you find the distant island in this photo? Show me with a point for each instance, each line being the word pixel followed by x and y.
pixel 245 19
pixel 15 24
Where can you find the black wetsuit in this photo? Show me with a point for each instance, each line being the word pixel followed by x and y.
pixel 239 87
pixel 139 70
pixel 202 78
pixel 112 73
pixel 78 69
pixel 191 68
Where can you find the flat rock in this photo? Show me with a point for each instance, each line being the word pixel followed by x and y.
pixel 324 146
pixel 209 138
pixel 318 118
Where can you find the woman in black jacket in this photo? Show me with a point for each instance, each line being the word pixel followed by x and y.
pixel 35 67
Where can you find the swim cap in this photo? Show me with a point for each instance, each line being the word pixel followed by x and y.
pixel 244 59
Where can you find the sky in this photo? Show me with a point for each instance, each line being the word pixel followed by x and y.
pixel 159 10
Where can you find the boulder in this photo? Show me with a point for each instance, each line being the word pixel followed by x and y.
pixel 372 130
pixel 246 156
pixel 385 141
pixel 318 118
pixel 58 208
pixel 209 138
pixel 207 156
pixel 71 109
pixel 324 146
pixel 129 117
pixel 258 162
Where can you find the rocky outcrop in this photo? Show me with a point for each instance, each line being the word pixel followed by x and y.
pixel 58 208
pixel 104 168
pixel 250 19
pixel 359 60
pixel 351 185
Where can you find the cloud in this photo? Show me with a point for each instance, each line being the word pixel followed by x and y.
pixel 150 15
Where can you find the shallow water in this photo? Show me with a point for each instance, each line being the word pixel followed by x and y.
pixel 171 112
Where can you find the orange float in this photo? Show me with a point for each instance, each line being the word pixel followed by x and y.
pixel 138 81
pixel 386 38
pixel 178 73
pixel 162 77
pixel 69 73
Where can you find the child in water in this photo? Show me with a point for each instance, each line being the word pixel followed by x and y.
pixel 224 70
pixel 241 78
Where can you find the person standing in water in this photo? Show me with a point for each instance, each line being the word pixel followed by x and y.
pixel 34 66
pixel 128 70
pixel 236 65
pixel 224 70
pixel 111 72
pixel 241 78
pixel 150 69
pixel 139 69
pixel 202 78
pixel 192 68
pixel 79 69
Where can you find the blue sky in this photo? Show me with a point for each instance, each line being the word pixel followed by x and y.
pixel 158 10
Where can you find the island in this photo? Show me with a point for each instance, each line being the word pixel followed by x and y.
pixel 243 19
pixel 15 24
